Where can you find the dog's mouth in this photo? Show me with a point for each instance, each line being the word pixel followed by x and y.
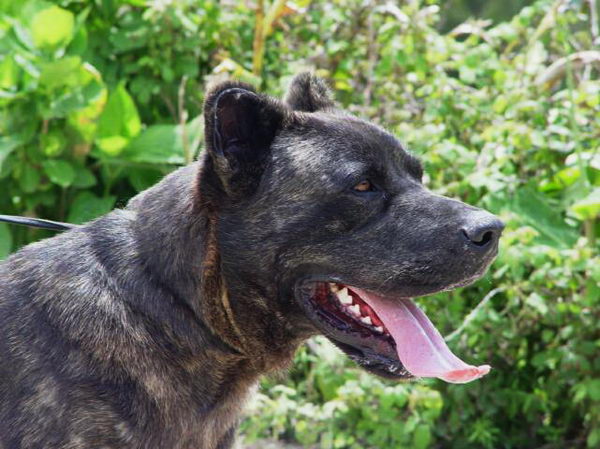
pixel 391 337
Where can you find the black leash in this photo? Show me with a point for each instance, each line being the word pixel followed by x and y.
pixel 37 223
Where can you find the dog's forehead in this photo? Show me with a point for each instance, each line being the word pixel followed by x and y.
pixel 339 140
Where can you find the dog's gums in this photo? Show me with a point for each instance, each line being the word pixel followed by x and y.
pixel 340 300
pixel 355 318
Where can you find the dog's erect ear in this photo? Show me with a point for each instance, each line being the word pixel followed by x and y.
pixel 240 127
pixel 308 93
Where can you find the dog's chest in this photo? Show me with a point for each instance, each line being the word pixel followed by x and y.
pixel 213 429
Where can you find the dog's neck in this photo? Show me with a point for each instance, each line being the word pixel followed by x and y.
pixel 179 234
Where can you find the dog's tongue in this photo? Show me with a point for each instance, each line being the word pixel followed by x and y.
pixel 421 348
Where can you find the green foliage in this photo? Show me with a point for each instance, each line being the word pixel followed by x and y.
pixel 71 132
pixel 98 100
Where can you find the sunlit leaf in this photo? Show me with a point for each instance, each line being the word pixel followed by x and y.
pixel 118 122
pixel 112 146
pixel 62 72
pixel 52 27
pixel 158 144
pixel 589 206
pixel 8 73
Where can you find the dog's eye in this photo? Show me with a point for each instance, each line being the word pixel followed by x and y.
pixel 364 186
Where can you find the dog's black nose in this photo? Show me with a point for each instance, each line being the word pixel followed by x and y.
pixel 483 230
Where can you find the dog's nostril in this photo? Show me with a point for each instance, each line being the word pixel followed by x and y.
pixel 483 234
pixel 485 239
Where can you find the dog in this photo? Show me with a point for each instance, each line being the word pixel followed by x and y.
pixel 150 326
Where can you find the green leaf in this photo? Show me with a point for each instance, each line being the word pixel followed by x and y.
pixel 112 146
pixel 84 178
pixel 593 439
pixel 92 100
pixel 588 207
pixel 86 206
pixel 52 27
pixel 158 144
pixel 8 73
pixel 593 388
pixel 80 41
pixel 7 146
pixel 537 302
pixel 143 178
pixel 535 210
pixel 78 99
pixel 52 143
pixel 29 179
pixel 60 172
pixel 62 72
pixel 421 437
pixel 120 119
pixel 5 241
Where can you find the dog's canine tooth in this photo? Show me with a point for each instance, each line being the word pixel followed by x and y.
pixel 379 329
pixel 355 310
pixel 344 297
pixel 366 320
pixel 346 300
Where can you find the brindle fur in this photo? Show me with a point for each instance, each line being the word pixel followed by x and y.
pixel 150 326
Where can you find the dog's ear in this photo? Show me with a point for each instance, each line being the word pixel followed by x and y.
pixel 308 93
pixel 240 126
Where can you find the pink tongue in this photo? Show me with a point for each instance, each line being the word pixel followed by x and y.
pixel 421 348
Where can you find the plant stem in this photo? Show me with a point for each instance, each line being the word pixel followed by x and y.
pixel 259 39
pixel 473 313
pixel 589 229
pixel 182 118
pixel 262 30
pixel 588 225
pixel 272 15
pixel 594 23
pixel 572 118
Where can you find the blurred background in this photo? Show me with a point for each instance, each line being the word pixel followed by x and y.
pixel 101 98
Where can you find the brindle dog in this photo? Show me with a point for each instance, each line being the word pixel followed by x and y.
pixel 150 326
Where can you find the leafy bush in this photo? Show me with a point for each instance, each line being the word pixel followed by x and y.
pixel 98 100
pixel 73 137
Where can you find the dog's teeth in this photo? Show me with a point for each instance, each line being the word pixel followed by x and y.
pixel 344 297
pixel 379 329
pixel 366 320
pixel 355 310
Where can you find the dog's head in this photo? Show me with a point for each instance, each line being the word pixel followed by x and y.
pixel 323 222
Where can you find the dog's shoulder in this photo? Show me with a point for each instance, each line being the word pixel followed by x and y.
pixel 79 312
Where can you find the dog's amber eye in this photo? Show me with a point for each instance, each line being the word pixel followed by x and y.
pixel 364 186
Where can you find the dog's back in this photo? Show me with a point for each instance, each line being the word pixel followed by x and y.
pixel 55 309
